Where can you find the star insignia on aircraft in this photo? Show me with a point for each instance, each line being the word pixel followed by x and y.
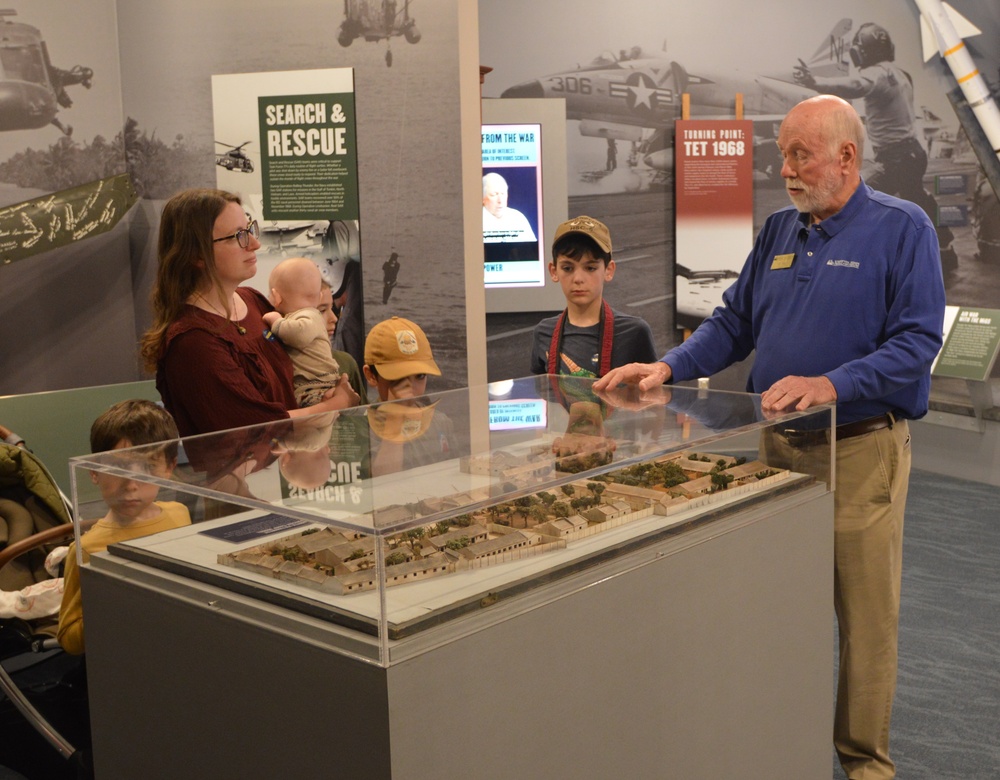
pixel 642 89
pixel 641 93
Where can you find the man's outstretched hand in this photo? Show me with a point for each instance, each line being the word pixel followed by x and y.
pixel 645 375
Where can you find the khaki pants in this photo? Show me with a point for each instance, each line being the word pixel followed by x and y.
pixel 872 477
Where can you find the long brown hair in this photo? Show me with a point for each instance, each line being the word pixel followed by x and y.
pixel 186 259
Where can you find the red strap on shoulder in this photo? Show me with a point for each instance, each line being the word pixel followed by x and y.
pixel 553 367
pixel 607 339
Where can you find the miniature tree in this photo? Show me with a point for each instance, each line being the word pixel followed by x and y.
pixel 721 481
pixel 411 537
pixel 568 490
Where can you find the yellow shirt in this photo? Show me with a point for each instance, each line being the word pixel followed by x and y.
pixel 97 539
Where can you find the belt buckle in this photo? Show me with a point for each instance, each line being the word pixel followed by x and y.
pixel 793 437
pixel 797 438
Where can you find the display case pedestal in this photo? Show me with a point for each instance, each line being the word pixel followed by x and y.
pixel 708 654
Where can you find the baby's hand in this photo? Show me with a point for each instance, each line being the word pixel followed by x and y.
pixel 342 395
pixel 270 318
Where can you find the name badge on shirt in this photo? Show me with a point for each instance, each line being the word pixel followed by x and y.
pixel 782 261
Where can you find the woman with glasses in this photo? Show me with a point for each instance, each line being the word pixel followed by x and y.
pixel 215 368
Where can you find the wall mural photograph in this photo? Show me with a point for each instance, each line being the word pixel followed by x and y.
pixel 121 94
pixel 134 84
pixel 622 71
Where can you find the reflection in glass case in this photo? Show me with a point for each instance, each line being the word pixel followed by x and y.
pixel 400 522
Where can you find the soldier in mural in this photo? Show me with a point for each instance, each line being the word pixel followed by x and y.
pixel 887 91
pixel 390 272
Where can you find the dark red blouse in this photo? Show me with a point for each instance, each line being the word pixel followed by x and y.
pixel 212 377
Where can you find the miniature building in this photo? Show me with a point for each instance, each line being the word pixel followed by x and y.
pixel 420 569
pixel 600 514
pixel 498 545
pixel 700 466
pixel 563 527
pixel 343 550
pixel 748 469
pixel 391 515
pixel 474 533
pixel 634 495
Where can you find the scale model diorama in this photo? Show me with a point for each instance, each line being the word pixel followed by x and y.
pixel 341 562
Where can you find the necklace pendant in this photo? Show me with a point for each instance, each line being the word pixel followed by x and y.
pixel 242 330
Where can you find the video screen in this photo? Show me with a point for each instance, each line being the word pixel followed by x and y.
pixel 512 205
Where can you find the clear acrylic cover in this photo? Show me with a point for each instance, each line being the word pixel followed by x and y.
pixel 403 524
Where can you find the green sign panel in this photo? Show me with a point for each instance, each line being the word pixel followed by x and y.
pixel 309 156
pixel 970 347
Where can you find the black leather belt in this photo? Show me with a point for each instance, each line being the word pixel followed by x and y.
pixel 811 438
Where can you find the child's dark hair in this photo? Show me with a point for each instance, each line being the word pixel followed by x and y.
pixel 576 245
pixel 136 421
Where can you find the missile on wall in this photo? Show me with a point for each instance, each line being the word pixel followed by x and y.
pixel 942 30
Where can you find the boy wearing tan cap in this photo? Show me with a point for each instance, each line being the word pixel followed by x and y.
pixel 589 338
pixel 398 359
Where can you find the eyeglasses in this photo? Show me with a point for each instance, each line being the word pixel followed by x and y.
pixel 242 235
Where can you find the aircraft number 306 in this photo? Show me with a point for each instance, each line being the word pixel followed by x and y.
pixel 571 84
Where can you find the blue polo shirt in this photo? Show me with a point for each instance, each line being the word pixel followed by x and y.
pixel 858 298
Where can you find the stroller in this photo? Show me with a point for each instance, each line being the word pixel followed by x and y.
pixel 41 687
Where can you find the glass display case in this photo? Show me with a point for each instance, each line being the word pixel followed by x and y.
pixel 404 524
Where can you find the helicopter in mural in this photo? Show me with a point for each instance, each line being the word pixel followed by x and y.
pixel 32 90
pixel 234 158
pixel 377 20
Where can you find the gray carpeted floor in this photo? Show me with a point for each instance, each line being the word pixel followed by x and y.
pixel 946 719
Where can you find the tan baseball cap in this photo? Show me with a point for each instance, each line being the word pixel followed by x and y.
pixel 588 226
pixel 400 421
pixel 399 348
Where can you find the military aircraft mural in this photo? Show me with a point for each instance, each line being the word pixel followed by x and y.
pixel 32 89
pixel 377 20
pixel 635 96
